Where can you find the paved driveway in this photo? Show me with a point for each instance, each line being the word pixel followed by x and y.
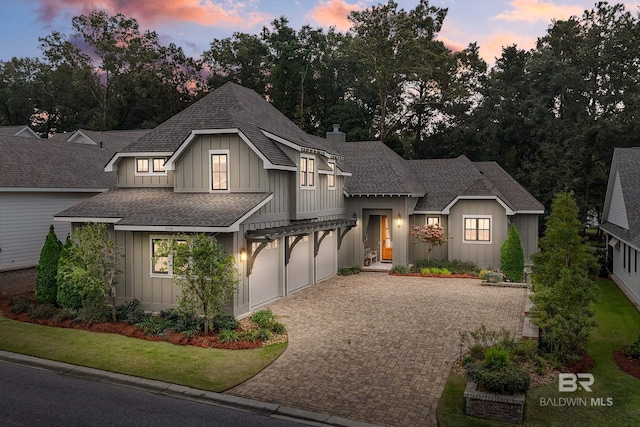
pixel 378 348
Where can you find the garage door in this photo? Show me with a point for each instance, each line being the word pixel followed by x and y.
pixel 299 272
pixel 326 258
pixel 265 280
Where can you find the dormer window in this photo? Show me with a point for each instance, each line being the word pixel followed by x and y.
pixel 150 165
pixel 307 171
pixel 219 170
pixel 331 178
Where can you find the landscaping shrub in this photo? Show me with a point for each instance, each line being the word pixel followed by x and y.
pixel 21 304
pixel 184 322
pixel 633 351
pixel 347 271
pixel 227 335
pixel 485 338
pixel 492 276
pixel 69 295
pixel 400 269
pixel 263 318
pixel 130 312
pixel 507 380
pixel 496 358
pixel 151 325
pixel 455 266
pixel 435 270
pixel 224 321
pixel 512 256
pixel 264 334
pixel 278 328
pixel 43 311
pixel 251 336
pixel 46 283
pixel 93 313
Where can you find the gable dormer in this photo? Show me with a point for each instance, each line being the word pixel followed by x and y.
pixel 617 212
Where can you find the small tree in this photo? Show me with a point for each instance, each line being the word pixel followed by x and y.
pixel 512 256
pixel 88 269
pixel 205 273
pixel 431 234
pixel 562 283
pixel 46 284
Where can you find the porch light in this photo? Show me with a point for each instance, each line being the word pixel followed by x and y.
pixel 243 254
pixel 399 220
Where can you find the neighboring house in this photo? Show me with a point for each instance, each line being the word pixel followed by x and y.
pixel 19 130
pixel 297 206
pixel 40 177
pixel 621 220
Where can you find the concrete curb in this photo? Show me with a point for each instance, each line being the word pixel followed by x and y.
pixel 182 392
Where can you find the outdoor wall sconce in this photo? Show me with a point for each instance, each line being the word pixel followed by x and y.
pixel 399 220
pixel 243 254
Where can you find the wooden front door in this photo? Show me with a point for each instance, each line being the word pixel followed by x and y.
pixel 387 250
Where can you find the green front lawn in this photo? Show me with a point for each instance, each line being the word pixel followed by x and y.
pixel 618 325
pixel 202 368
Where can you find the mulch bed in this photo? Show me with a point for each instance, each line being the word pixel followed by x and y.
pixel 627 364
pixel 439 276
pixel 209 341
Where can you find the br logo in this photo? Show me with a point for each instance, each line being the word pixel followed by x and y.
pixel 573 382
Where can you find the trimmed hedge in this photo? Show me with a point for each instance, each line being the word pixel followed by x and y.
pixel 46 280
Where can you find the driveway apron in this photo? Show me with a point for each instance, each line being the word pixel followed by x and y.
pixel 378 348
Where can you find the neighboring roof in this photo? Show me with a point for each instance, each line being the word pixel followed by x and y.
pixel 377 171
pixel 41 163
pixel 231 106
pixel 163 209
pixel 626 162
pixel 448 179
pixel 18 130
pixel 113 139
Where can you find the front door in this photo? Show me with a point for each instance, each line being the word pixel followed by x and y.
pixel 387 250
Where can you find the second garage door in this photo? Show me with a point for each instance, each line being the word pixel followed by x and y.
pixel 265 282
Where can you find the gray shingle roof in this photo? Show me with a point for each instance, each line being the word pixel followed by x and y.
pixel 164 207
pixel 628 164
pixel 15 130
pixel 42 163
pixel 446 179
pixel 228 107
pixel 115 140
pixel 377 170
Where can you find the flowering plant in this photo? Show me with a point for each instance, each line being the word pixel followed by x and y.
pixel 431 234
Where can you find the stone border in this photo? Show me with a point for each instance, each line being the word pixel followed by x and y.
pixel 501 407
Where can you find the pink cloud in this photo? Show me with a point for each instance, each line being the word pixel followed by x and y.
pixel 334 13
pixel 532 11
pixel 491 46
pixel 224 13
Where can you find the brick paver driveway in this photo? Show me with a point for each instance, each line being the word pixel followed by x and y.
pixel 378 348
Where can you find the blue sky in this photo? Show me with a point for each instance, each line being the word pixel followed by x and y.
pixel 192 24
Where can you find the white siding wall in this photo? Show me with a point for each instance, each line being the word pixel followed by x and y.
pixel 25 218
pixel 627 274
pixel 617 209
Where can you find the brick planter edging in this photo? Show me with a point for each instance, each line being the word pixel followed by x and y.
pixel 502 407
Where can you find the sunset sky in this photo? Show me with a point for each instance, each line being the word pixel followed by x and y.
pixel 192 24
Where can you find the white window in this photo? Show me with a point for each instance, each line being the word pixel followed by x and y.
pixel 307 171
pixel 433 220
pixel 150 166
pixel 219 170
pixel 331 178
pixel 161 258
pixel 477 229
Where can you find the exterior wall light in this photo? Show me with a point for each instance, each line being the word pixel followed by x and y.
pixel 243 254
pixel 399 220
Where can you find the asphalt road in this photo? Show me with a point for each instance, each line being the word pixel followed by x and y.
pixel 36 397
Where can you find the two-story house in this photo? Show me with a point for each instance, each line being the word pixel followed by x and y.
pixel 291 207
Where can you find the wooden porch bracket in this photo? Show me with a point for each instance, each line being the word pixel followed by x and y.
pixel 317 242
pixel 289 248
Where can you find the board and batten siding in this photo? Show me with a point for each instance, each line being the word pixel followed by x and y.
pixel 625 275
pixel 246 169
pixel 420 250
pixel 154 292
pixel 25 218
pixel 527 225
pixel 127 177
pixel 484 254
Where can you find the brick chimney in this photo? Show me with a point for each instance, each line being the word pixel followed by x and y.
pixel 336 135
